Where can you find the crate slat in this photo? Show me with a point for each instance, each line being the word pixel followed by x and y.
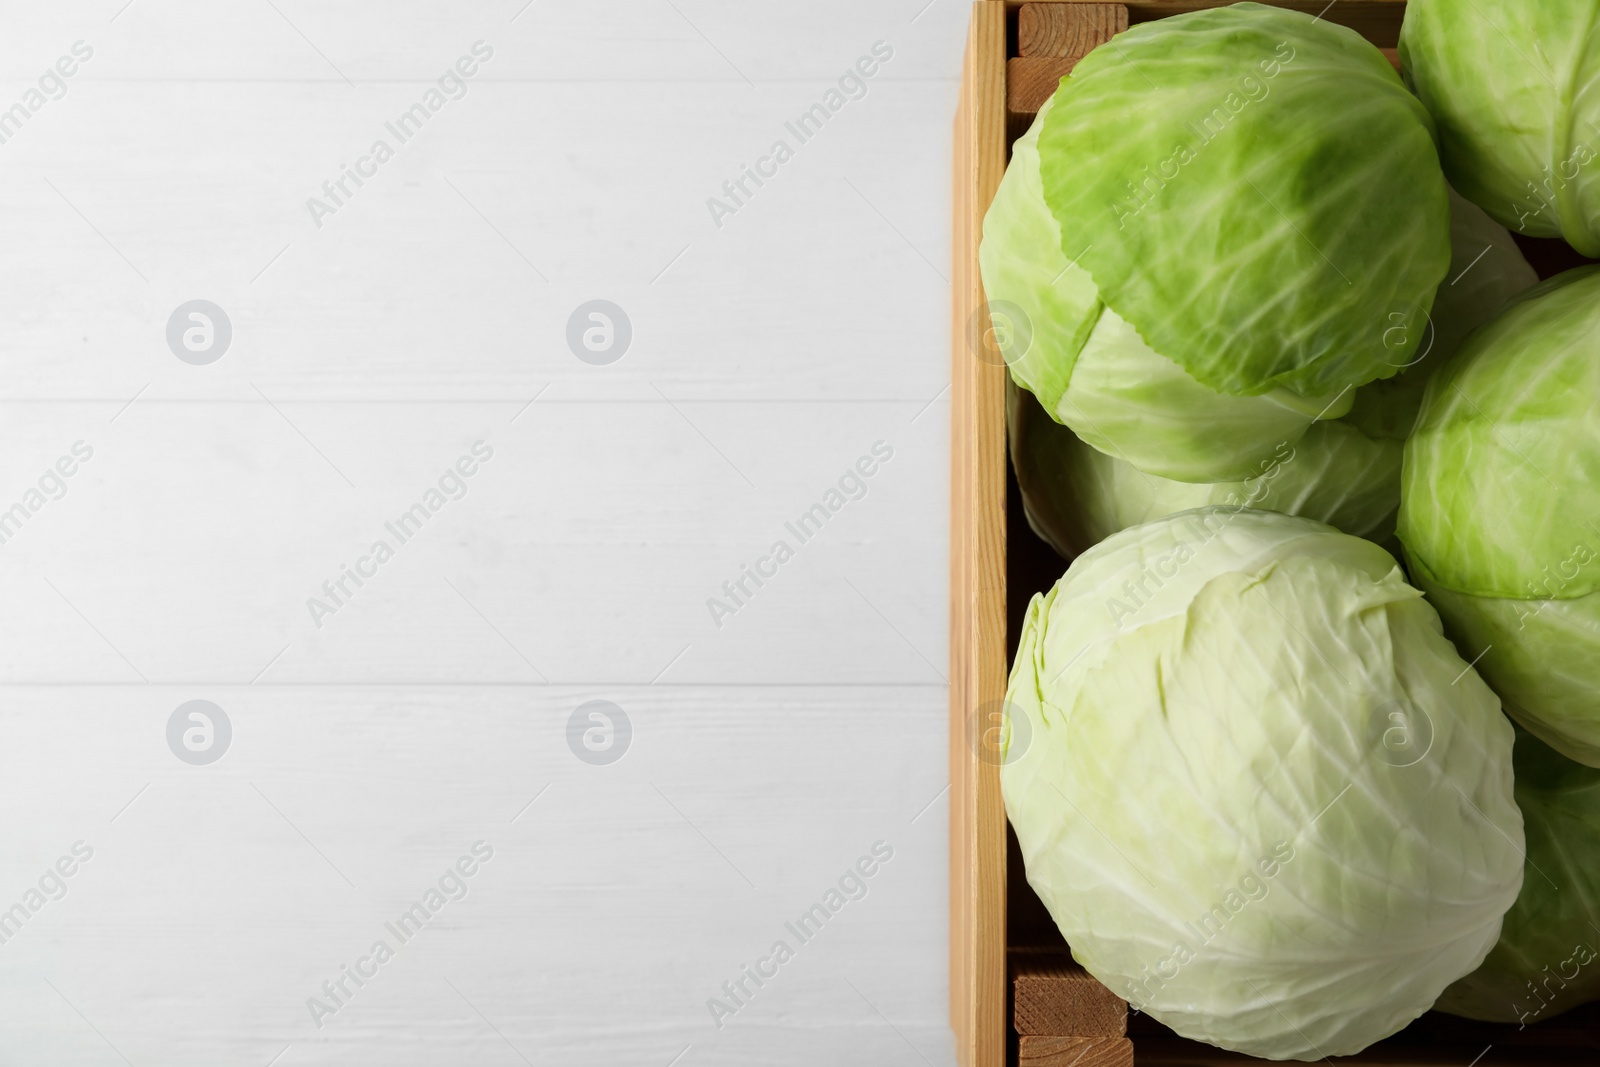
pixel 1032 80
pixel 1067 30
pixel 1036 1051
pixel 977 568
pixel 1376 20
pixel 1051 39
pixel 1054 997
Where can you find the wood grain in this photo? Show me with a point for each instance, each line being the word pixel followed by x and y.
pixel 1030 81
pixel 1053 996
pixel 1064 30
pixel 1051 39
pixel 977 569
pixel 1036 1051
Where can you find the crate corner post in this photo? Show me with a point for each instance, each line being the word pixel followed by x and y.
pixel 977 568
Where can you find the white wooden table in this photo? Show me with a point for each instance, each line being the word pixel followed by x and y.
pixel 372 346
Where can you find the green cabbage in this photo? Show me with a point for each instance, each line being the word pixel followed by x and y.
pixel 1515 91
pixel 1548 957
pixel 1492 513
pixel 1221 223
pixel 1486 270
pixel 1343 472
pixel 1075 496
pixel 1261 795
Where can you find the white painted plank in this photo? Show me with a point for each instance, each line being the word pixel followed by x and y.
pixel 427 282
pixel 218 900
pixel 193 543
pixel 560 41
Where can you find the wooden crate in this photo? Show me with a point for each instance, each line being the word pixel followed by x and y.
pixel 1002 942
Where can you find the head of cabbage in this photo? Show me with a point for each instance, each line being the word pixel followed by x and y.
pixel 1492 508
pixel 1515 91
pixel 1261 795
pixel 1547 960
pixel 1220 225
pixel 1344 472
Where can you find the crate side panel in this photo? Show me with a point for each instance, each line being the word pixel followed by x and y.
pixel 978 966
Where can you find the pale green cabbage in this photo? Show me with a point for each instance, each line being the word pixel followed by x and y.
pixel 1075 496
pixel 1548 957
pixel 1262 796
pixel 1515 91
pixel 1486 270
pixel 1344 472
pixel 1493 514
pixel 1221 223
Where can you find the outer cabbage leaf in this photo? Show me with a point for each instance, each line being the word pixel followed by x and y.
pixel 1515 92
pixel 1074 495
pixel 1139 406
pixel 1255 191
pixel 1538 654
pixel 1262 796
pixel 1508 439
pixel 1548 957
pixel 1505 452
pixel 1023 268
pixel 1486 270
